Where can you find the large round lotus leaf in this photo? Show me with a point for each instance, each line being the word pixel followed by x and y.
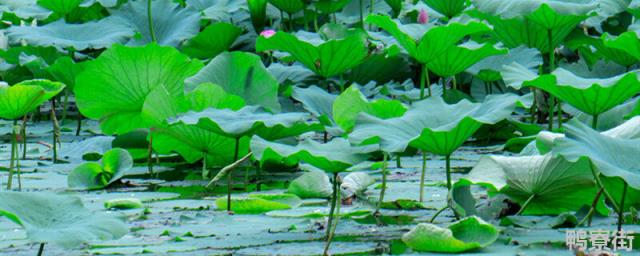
pixel 61 7
pixel 543 177
pixel 589 95
pixel 62 220
pixel 114 87
pixel 448 8
pixel 113 166
pixel 91 35
pixel 433 125
pixel 20 99
pixel 317 101
pixel 241 74
pixel 288 6
pixel 350 103
pixel 311 185
pixel 213 40
pixel 336 155
pixel 172 24
pixel 613 157
pixel 247 121
pixel 330 58
pixel 464 235
pixel 512 9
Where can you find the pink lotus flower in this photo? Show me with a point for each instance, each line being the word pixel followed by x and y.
pixel 423 17
pixel 268 33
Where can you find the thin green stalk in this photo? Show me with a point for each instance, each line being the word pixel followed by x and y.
pixel 13 154
pixel 282 20
pixel 552 107
pixel 526 203
pixel 258 177
pixel 235 158
pixel 551 68
pixel 334 198
pixel 150 153
pixel 56 130
pixel 79 127
pixel 361 14
pixel 23 133
pixel 422 175
pixel 438 213
pixel 604 190
pixel 41 249
pixel 621 211
pixel 594 122
pixel 205 171
pixel 315 20
pixel 384 183
pixel 559 113
pixel 594 204
pixel 17 157
pixel 398 161
pixel 291 22
pixel 152 32
pixel 447 160
pixel 455 82
pixel 332 228
pixel 65 104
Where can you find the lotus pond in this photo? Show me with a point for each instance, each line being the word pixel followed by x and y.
pixel 319 127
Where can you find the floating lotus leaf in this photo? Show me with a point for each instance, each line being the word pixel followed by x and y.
pixel 327 59
pixel 334 156
pixel 91 35
pixel 20 99
pixel 433 125
pixel 541 177
pixel 253 204
pixel 241 74
pixel 114 87
pixel 467 234
pixel 172 24
pixel 613 157
pixel 247 121
pixel 113 166
pixel 58 219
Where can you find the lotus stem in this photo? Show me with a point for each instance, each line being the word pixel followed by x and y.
pixel 23 133
pixel 552 107
pixel 447 160
pixel 65 104
pixel 56 130
pixel 526 204
pixel 13 154
pixel 152 32
pixel 150 153
pixel 398 161
pixel 422 175
pixel 559 103
pixel 205 171
pixel 361 14
pixel 291 22
pixel 282 20
pixel 235 159
pixel 79 127
pixel 384 183
pixel 594 122
pixel 455 82
pixel 423 72
pixel 258 176
pixel 604 190
pixel 594 204
pixel 315 20
pixel 438 213
pixel 333 214
pixel 41 249
pixel 227 169
pixel 621 211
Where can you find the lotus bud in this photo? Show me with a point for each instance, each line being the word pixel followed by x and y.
pixel 268 33
pixel 423 17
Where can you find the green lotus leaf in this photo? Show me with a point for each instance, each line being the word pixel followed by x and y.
pixel 334 156
pixel 92 35
pixel 540 177
pixel 312 184
pixel 448 8
pixel 527 57
pixel 114 87
pixel 330 6
pixel 20 99
pixel 211 41
pixel 288 6
pixel 58 219
pixel 25 9
pixel 285 198
pixel 624 49
pixel 219 10
pixel 317 101
pixel 396 6
pixel 65 70
pixel 433 125
pixel 613 157
pixel 210 95
pixel 328 59
pixel 123 203
pixel 457 59
pixel 193 143
pixel 60 7
pixel 531 22
pixel 463 235
pixel 352 102
pixel 248 121
pixel 242 74
pixel 251 205
pixel 113 166
pixel 172 24
pixel 436 42
pixel 589 95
